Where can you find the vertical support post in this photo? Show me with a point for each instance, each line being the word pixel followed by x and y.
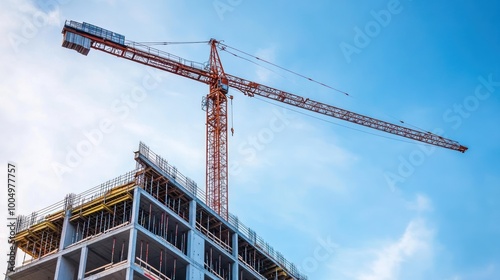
pixel 114 216
pixel 195 247
pixel 175 268
pixel 113 251
pixel 133 233
pixel 24 257
pixel 166 193
pixel 83 262
pixel 100 223
pixel 140 253
pixel 149 218
pixel 41 245
pixel 235 267
pixel 131 250
pixel 124 214
pixel 176 232
pixel 121 252
pixel 135 206
pixel 65 269
pixel 77 231
pixel 67 231
pixel 192 213
pixel 166 229
pixel 161 259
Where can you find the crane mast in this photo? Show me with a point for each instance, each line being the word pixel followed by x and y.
pixel 83 36
pixel 216 145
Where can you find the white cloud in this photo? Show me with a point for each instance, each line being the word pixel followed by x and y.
pixel 410 254
pixel 22 22
pixel 421 204
pixel 415 241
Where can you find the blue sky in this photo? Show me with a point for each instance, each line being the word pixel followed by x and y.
pixel 387 209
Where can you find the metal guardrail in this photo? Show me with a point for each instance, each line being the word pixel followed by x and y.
pixel 73 201
pixel 96 31
pixel 157 52
pixel 156 274
pixel 172 171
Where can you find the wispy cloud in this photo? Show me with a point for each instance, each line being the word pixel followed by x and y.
pixel 421 204
pixel 415 242
pixel 23 21
pixel 412 253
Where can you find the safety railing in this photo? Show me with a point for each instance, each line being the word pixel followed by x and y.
pixel 172 171
pixel 74 200
pixel 169 56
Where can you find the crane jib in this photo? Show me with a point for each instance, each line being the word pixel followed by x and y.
pixel 252 88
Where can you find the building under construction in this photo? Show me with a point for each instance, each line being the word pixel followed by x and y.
pixel 150 223
pixel 153 222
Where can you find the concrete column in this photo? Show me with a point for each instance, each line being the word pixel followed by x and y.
pixel 195 247
pixel 133 235
pixel 192 213
pixel 235 268
pixel 64 269
pixel 83 262
pixel 194 273
pixel 131 246
pixel 68 231
pixel 197 251
pixel 192 223
pixel 135 206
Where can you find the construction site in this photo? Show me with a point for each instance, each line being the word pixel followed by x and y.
pixel 150 223
pixel 154 222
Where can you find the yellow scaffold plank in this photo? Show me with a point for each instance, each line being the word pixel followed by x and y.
pixel 42 226
pixel 107 197
pixel 31 231
pixel 92 210
pixel 55 216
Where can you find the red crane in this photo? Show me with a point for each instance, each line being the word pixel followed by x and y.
pixel 83 36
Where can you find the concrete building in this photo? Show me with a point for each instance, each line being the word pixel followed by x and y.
pixel 151 223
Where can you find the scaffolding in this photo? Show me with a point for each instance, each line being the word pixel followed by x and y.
pixel 152 217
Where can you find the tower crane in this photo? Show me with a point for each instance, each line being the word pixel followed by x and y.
pixel 84 36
